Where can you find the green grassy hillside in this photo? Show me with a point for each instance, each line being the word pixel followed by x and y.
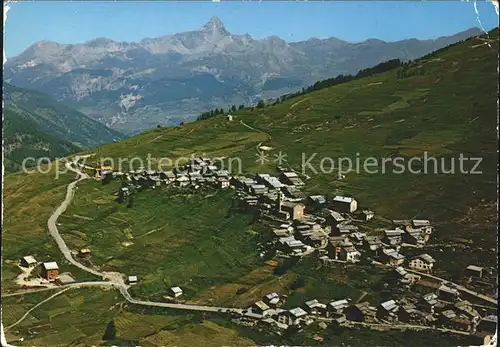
pixel 79 318
pixel 23 138
pixel 445 112
pixel 37 126
pixel 58 119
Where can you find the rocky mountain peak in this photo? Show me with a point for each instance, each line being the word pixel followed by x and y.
pixel 215 25
pixel 100 41
pixel 189 72
pixel 41 49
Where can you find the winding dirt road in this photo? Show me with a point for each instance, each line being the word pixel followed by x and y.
pixel 114 279
pixel 52 223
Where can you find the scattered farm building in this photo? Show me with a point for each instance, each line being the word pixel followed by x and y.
pixel 50 270
pixel 293 193
pixel 387 308
pixel 176 291
pixel 28 261
pixel 350 254
pixel 393 237
pixel 417 223
pixel 409 312
pixel 132 279
pixel 84 253
pixel 466 309
pixel 65 278
pixel 316 201
pixel 361 312
pixel 223 182
pixel 291 245
pixel 372 243
pixel 428 302
pixel 104 170
pixel 333 220
pixel 258 189
pixel 124 192
pixel 281 232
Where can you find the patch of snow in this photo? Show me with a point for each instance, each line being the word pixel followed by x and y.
pixel 30 63
pixel 129 100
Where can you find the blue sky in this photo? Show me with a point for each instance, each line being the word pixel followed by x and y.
pixel 77 22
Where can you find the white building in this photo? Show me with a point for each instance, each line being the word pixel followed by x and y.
pixel 297 315
pixel 28 261
pixel 368 214
pixel 420 223
pixel 176 291
pixel 344 204
pixel 350 254
pixel 315 307
pixel 422 262
pixel 272 298
pixel 261 307
pixel 338 306
pixel 51 265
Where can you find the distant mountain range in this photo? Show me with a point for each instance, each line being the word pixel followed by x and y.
pixel 37 126
pixel 132 86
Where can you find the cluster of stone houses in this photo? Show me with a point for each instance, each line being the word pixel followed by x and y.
pixel 299 224
pixel 329 226
pixel 436 309
pixel 415 232
pixel 197 172
pixel 49 270
pixel 269 312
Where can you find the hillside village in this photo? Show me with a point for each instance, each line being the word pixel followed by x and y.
pixel 320 226
pixel 198 255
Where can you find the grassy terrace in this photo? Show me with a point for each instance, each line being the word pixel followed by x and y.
pixel 79 318
pixel 168 238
